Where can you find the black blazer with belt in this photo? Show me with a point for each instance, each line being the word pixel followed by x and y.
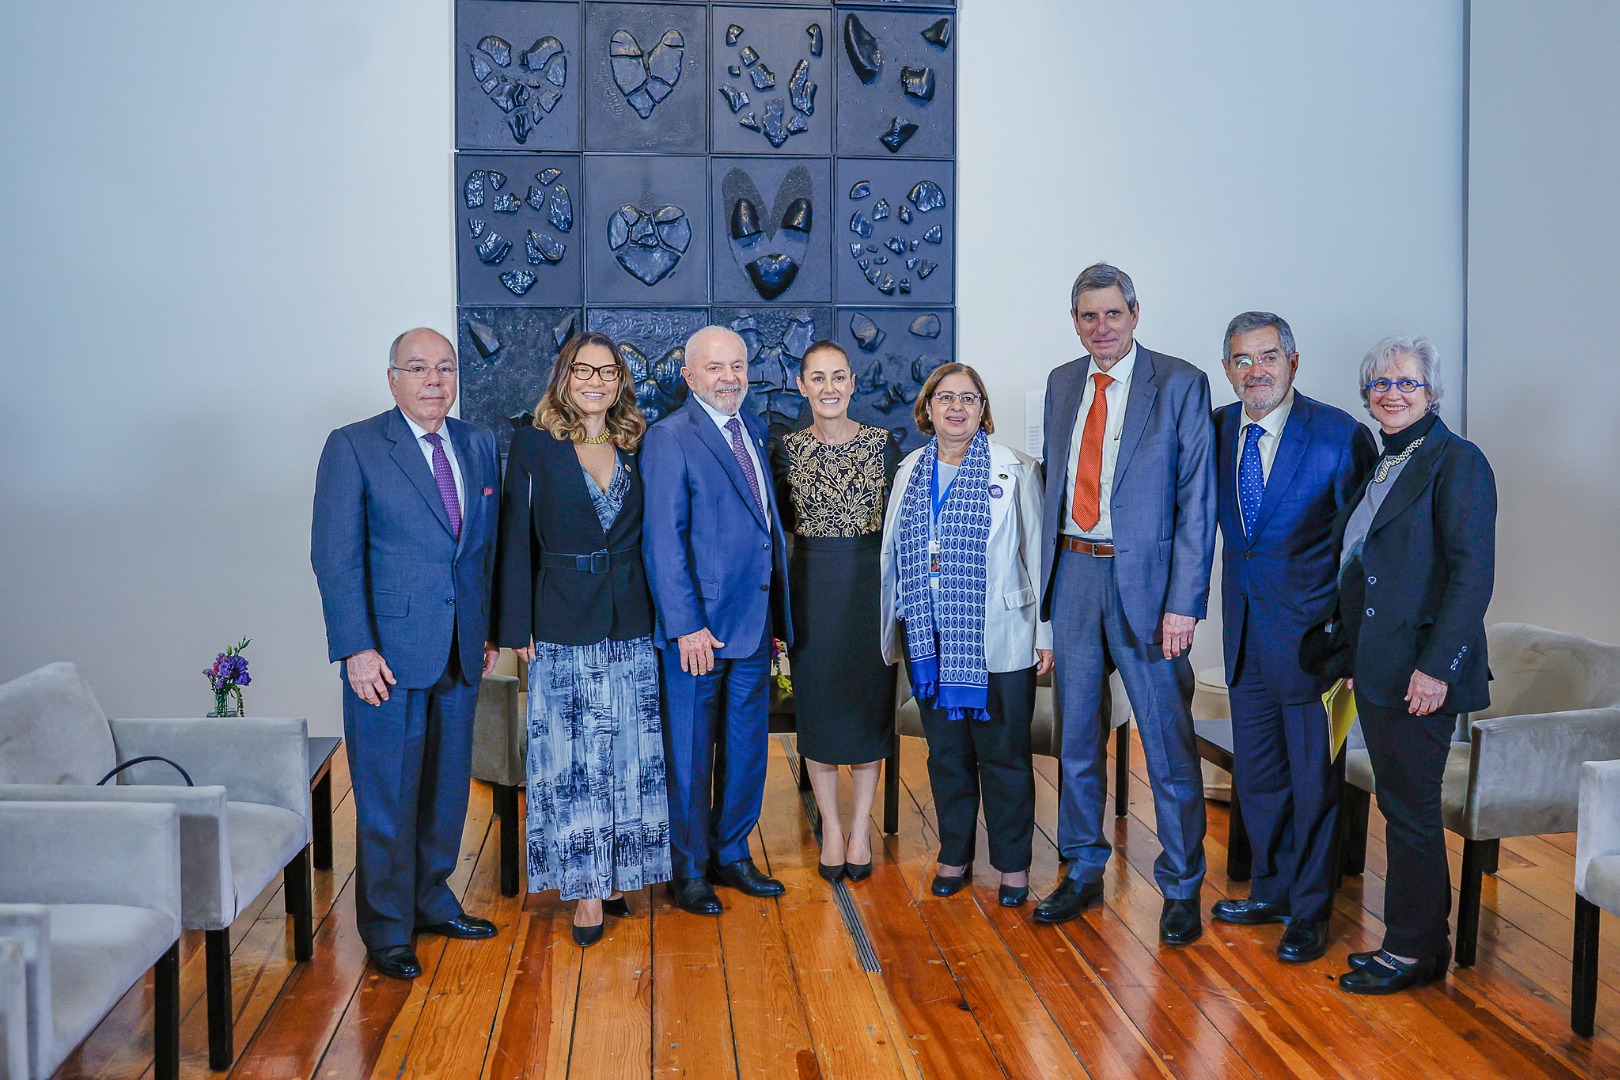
pixel 1428 568
pixel 559 577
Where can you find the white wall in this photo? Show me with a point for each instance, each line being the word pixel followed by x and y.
pixel 1544 151
pixel 212 231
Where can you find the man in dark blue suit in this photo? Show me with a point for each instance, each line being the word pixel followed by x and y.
pixel 403 542
pixel 716 561
pixel 1285 465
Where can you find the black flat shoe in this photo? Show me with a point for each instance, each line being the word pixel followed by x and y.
pixel 1068 900
pixel 858 871
pixel 1248 912
pixel 585 936
pixel 1383 974
pixel 832 875
pixel 693 894
pixel 745 877
pixel 463 926
pixel 1359 960
pixel 619 909
pixel 1180 923
pixel 1303 941
pixel 949 886
pixel 396 961
pixel 1012 895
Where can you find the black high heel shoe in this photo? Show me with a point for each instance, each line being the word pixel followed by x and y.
pixel 949 886
pixel 832 875
pixel 858 871
pixel 585 936
pixel 619 909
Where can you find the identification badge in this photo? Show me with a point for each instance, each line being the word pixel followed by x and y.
pixel 933 564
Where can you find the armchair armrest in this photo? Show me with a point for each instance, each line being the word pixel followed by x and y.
pixel 1524 772
pixel 1599 831
pixel 499 733
pixel 27 929
pixel 91 853
pixel 257 759
pixel 16 1013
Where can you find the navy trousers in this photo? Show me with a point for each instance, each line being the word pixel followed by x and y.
pixel 716 728
pixel 1090 638
pixel 410 760
pixel 1289 791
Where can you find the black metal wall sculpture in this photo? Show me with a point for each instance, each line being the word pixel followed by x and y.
pixel 784 168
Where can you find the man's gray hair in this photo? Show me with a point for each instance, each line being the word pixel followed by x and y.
pixel 1102 276
pixel 1382 356
pixel 1258 320
pixel 393 347
pixel 713 332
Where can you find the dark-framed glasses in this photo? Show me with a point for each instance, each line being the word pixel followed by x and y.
pixel 420 371
pixel 950 397
pixel 1405 386
pixel 582 371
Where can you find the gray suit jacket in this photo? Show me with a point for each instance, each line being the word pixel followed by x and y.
pixel 1163 504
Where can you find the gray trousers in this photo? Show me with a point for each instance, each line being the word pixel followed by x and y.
pixel 1091 638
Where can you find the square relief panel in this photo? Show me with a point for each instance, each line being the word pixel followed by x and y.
pixel 646 226
pixel 518 229
pixel 895 232
pixel 773 233
pixel 893 350
pixel 518 75
pixel 654 345
pixel 772 71
pixel 647 72
pixel 896 83
pixel 505 355
pixel 777 338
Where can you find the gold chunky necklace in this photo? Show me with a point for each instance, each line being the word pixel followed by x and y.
pixel 594 440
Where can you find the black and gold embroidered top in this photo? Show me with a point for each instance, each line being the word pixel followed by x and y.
pixel 835 490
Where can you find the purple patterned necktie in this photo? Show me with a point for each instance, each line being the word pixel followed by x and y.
pixel 734 426
pixel 446 481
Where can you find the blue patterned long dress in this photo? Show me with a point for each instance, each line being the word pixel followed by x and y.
pixel 598 815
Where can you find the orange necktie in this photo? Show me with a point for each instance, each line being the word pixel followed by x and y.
pixel 1088 471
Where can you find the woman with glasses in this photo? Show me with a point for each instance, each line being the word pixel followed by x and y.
pixel 834 479
pixel 1416 567
pixel 571 597
pixel 961 556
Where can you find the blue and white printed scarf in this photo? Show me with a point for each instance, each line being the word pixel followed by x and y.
pixel 956 677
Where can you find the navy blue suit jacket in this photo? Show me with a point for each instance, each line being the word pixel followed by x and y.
pixel 1275 581
pixel 392 576
pixel 713 558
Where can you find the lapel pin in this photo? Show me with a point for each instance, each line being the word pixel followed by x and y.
pixel 489 491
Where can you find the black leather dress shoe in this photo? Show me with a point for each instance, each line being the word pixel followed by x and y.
pixel 745 877
pixel 950 885
pixel 1359 960
pixel 1304 940
pixel 467 927
pixel 832 875
pixel 1383 974
pixel 1248 912
pixel 396 961
pixel 858 871
pixel 1180 923
pixel 693 894
pixel 1068 900
pixel 619 909
pixel 586 936
pixel 1012 895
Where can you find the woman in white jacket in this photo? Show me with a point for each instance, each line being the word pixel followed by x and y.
pixel 961 556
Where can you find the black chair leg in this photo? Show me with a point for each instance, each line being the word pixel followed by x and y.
pixel 217 947
pixel 1122 769
pixel 320 810
pixel 1490 855
pixel 166 1015
pixel 891 789
pixel 298 886
pixel 506 810
pixel 1473 863
pixel 1584 979
pixel 1239 855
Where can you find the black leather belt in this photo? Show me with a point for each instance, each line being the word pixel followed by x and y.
pixel 597 562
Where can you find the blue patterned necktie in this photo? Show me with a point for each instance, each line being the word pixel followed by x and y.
pixel 446 483
pixel 1251 478
pixel 734 426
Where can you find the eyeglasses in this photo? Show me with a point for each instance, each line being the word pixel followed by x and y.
pixel 582 371
pixel 1405 386
pixel 420 371
pixel 947 397
pixel 1268 360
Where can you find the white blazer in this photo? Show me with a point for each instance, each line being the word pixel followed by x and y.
pixel 1012 626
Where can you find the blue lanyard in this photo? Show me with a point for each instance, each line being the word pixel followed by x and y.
pixel 941 496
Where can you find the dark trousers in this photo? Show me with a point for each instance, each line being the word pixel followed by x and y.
pixel 1289 791
pixel 410 760
pixel 716 728
pixel 1409 761
pixel 1091 637
pixel 989 759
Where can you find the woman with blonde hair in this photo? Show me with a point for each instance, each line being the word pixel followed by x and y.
pixel 571 597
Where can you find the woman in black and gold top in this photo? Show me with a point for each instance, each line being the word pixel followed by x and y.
pixel 834 478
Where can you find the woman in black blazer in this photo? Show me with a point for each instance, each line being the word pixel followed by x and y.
pixel 1417 564
pixel 571 597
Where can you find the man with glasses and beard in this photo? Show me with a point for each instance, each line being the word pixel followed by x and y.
pixel 1285 465
pixel 717 564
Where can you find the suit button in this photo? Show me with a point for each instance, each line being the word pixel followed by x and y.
pixel 1248 554
pixel 451 601
pixel 767 545
pixel 764 588
pixel 1372 580
pixel 1370 613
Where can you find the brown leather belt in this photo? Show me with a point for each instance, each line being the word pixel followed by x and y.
pixel 1103 550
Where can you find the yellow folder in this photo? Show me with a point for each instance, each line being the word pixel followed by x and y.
pixel 1340 702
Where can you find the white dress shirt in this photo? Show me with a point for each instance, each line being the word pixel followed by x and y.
pixel 720 421
pixel 1272 424
pixel 449 452
pixel 1117 393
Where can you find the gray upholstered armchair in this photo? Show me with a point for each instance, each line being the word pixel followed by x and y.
pixel 1597 882
pixel 1555 704
pixel 91 894
pixel 247 819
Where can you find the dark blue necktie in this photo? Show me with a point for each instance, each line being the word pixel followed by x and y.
pixel 1251 478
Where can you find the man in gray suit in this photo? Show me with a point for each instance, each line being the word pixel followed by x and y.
pixel 1128 536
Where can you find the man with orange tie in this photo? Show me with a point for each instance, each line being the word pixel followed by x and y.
pixel 1127 541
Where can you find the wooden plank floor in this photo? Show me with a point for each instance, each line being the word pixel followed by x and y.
pixel 776 988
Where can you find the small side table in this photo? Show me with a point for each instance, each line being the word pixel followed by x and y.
pixel 321 750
